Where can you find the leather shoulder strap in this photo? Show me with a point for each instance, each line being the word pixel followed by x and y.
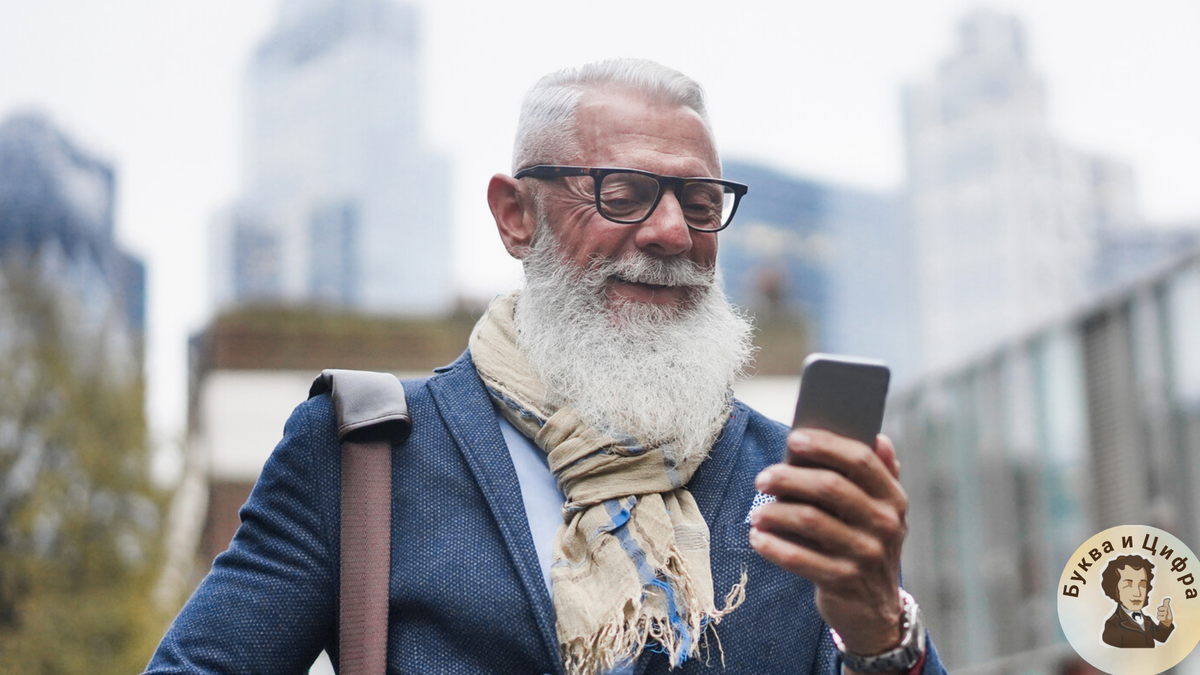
pixel 368 405
pixel 372 415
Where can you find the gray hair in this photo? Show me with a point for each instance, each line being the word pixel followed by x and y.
pixel 546 129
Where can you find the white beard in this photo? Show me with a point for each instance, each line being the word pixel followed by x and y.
pixel 634 369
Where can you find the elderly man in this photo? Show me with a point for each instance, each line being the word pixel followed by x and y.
pixel 576 495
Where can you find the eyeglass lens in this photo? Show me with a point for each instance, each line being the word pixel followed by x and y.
pixel 630 196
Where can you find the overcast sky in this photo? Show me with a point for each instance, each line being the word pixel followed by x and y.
pixel 809 87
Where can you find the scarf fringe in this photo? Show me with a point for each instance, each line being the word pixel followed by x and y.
pixel 623 639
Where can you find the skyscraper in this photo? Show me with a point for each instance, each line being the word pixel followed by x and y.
pixel 343 204
pixel 56 218
pixel 1005 215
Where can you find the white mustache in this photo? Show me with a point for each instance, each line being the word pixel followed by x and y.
pixel 640 268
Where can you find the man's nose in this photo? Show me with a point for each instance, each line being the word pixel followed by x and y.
pixel 665 232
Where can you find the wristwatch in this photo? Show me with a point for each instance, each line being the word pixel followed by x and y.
pixel 903 657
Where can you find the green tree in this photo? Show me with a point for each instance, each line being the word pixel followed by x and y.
pixel 79 517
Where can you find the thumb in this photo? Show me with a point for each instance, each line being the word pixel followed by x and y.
pixel 1166 603
pixel 887 452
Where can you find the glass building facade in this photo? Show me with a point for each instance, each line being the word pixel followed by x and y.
pixel 1014 459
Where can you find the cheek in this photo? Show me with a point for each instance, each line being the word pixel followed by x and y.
pixel 704 248
pixel 598 237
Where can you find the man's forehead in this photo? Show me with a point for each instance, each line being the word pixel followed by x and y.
pixel 1134 573
pixel 621 127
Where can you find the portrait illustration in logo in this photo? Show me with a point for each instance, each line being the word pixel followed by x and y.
pixel 1128 581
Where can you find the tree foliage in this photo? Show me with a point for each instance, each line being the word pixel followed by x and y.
pixel 79 517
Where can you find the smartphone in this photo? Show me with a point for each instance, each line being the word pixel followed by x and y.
pixel 843 394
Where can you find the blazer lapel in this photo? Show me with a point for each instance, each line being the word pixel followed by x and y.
pixel 467 411
pixel 710 480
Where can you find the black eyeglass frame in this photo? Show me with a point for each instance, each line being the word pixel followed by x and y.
pixel 674 182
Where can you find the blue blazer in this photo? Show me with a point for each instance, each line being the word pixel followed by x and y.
pixel 466 593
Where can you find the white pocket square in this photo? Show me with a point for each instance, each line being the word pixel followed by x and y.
pixel 759 500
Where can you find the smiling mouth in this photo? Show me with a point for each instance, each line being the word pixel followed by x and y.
pixel 623 280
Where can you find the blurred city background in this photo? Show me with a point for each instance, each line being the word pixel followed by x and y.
pixel 204 204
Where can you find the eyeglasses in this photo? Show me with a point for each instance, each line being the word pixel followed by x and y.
pixel 629 196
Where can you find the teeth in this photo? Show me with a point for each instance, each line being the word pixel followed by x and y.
pixel 635 281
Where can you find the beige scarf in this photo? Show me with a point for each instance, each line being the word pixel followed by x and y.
pixel 631 560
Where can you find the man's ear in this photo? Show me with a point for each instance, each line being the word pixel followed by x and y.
pixel 513 211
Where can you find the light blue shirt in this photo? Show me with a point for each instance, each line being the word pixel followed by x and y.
pixel 539 492
pixel 542 499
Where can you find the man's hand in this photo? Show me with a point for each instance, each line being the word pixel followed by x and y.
pixel 839 521
pixel 1165 616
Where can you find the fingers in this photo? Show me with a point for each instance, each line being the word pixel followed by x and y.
pixel 886 451
pixel 823 570
pixel 842 476
pixel 817 530
pixel 843 505
pixel 850 458
pixel 835 494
